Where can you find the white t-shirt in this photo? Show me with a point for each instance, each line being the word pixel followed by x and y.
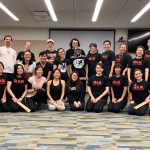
pixel 34 84
pixel 8 58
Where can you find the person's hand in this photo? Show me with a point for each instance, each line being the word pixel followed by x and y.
pixel 15 99
pixel 20 99
pixel 3 100
pixel 114 100
pixel 59 102
pixel 52 102
pixel 110 75
pixel 119 100
pixel 79 103
pixel 130 81
pixel 92 99
pixel 147 99
pixel 131 102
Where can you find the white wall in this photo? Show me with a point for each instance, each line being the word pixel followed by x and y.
pixel 38 37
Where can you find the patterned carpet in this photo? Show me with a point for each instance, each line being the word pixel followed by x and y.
pixel 44 130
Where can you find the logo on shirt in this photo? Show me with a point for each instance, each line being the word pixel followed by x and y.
pixel 2 81
pixel 118 60
pixel 147 56
pixel 104 57
pixel 18 81
pixel 116 82
pixel 137 62
pixel 138 87
pixel 91 59
pixel 78 63
pixel 62 67
pixel 72 88
pixel 97 83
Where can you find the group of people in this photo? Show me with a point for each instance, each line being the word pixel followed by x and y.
pixel 63 75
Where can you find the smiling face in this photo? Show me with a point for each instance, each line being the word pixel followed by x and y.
pixel 99 69
pixel 138 75
pixel 139 52
pixel 56 74
pixel 61 53
pixel 43 58
pixel 74 44
pixel 123 49
pixel 74 77
pixel 106 46
pixel 20 70
pixel 8 41
pixel 117 70
pixel 27 56
pixel 27 46
pixel 39 71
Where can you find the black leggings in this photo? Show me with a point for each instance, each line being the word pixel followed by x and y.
pixel 74 108
pixel 96 107
pixel 3 106
pixel 36 100
pixel 14 107
pixel 117 107
pixel 140 112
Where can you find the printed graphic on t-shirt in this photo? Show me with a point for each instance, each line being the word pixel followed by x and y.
pixel 78 63
pixel 104 57
pixel 62 67
pixel 91 59
pixel 72 88
pixel 116 82
pixel 138 87
pixel 97 83
pixel 2 81
pixel 137 62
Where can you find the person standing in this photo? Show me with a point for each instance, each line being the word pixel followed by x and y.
pixel 47 67
pixel 74 44
pixel 108 59
pixel 123 58
pixel 50 51
pixel 27 48
pixel 8 55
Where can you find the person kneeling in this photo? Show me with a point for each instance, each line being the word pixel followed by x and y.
pixel 75 92
pixel 55 92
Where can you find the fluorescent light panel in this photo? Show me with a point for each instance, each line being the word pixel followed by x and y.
pixel 146 8
pixel 97 10
pixel 7 11
pixel 50 9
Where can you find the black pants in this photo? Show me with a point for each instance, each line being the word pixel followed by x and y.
pixel 14 107
pixel 3 106
pixel 35 101
pixel 117 107
pixel 74 108
pixel 140 112
pixel 96 107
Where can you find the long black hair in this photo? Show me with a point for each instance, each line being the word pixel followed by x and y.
pixel 77 83
pixel 16 68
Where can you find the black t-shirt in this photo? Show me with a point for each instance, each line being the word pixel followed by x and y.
pixel 20 56
pixel 92 60
pixel 98 84
pixel 62 66
pixel 78 64
pixel 70 53
pixel 3 83
pixel 118 84
pixel 51 54
pixel 18 85
pixel 107 58
pixel 138 64
pixel 48 67
pixel 147 56
pixel 123 59
pixel 75 95
pixel 139 91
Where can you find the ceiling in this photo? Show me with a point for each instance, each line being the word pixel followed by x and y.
pixel 75 14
